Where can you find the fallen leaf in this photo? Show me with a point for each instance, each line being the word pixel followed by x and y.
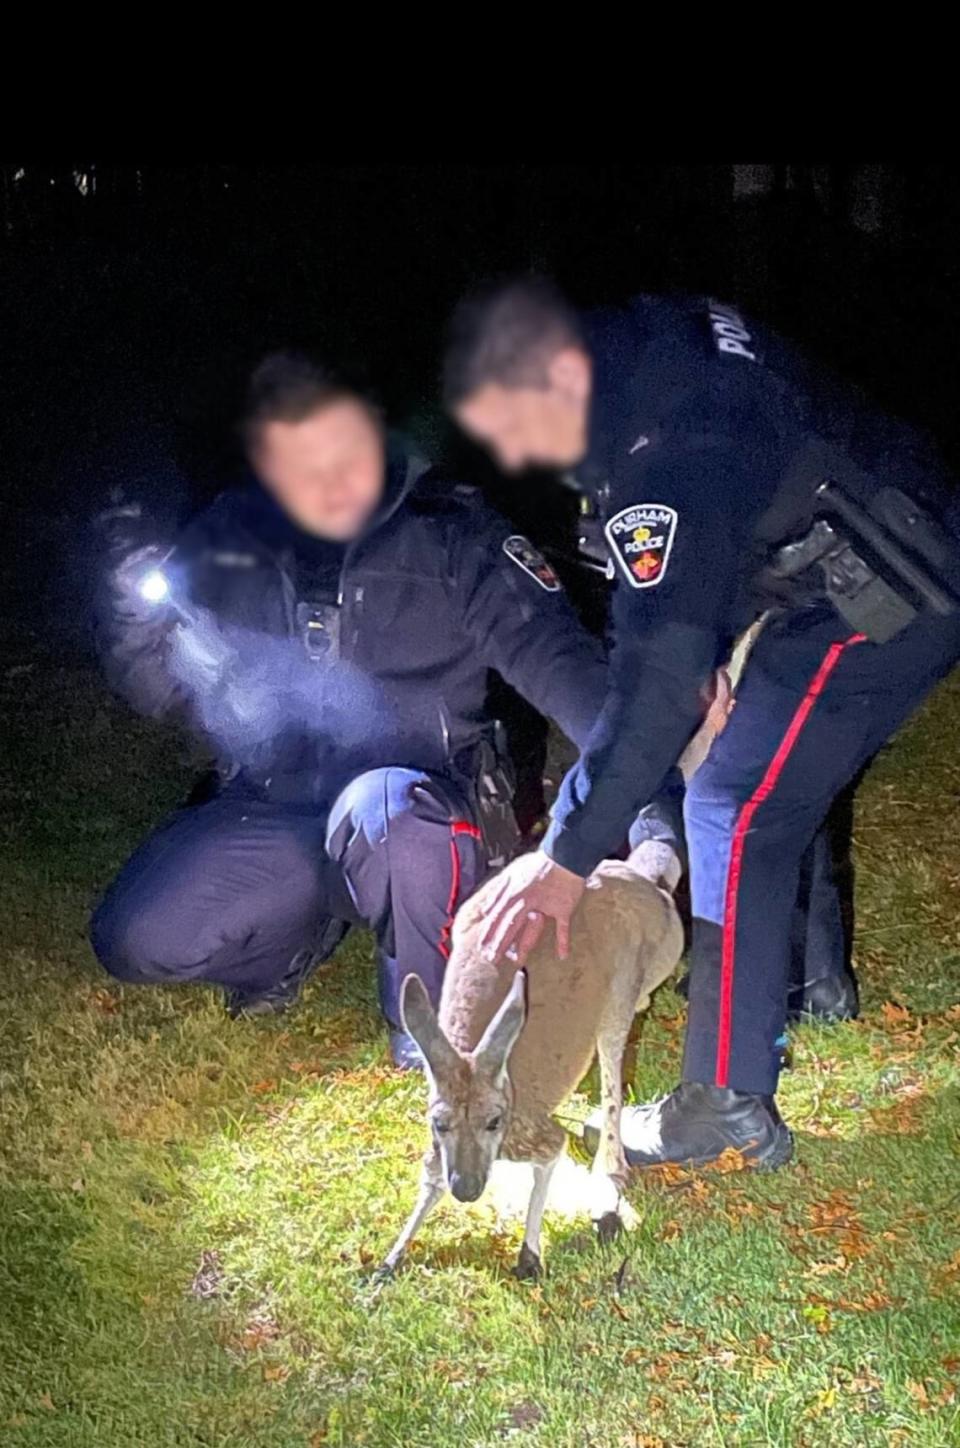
pixel 669 1174
pixel 47 1402
pixel 260 1087
pixel 951 1269
pixel 825 1269
pixel 819 1315
pixel 824 1402
pixel 837 1209
pixel 634 1355
pixel 454 1372
pixel 855 1244
pixel 863 1383
pixel 278 1373
pixel 894 1015
pixel 873 1302
pixel 729 1160
pixel 918 1391
pixel 261 1328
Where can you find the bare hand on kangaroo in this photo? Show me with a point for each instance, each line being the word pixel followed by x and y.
pixel 535 889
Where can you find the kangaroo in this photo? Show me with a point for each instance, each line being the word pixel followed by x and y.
pixel 506 1048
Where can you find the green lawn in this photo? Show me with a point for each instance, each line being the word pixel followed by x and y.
pixel 191 1207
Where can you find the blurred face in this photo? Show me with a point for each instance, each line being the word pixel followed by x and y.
pixel 327 471
pixel 534 426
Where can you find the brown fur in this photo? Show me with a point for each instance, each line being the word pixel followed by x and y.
pixel 625 939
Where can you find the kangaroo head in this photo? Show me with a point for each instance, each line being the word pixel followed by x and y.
pixel 471 1098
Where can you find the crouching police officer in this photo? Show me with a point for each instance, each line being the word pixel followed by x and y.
pixel 733 479
pixel 347 561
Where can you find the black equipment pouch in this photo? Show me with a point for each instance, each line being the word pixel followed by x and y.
pixel 318 626
pixel 878 568
pixel 491 779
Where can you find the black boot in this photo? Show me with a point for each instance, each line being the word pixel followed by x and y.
pixel 284 993
pixel 695 1123
pixel 829 998
pixel 404 1052
pixel 278 997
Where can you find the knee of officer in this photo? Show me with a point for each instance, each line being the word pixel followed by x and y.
pixel 372 805
pixel 149 931
pixel 136 941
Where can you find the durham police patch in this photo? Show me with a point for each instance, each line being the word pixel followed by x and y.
pixel 640 539
pixel 525 556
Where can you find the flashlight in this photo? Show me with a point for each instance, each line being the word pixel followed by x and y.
pixel 155 586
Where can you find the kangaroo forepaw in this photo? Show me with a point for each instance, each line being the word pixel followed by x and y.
pixel 529 1267
pixel 609 1226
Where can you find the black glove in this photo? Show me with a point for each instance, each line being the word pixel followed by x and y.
pixel 122 526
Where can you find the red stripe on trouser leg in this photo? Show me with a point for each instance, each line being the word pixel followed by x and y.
pixel 763 791
pixel 457 827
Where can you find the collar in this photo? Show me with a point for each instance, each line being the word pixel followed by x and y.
pixel 616 340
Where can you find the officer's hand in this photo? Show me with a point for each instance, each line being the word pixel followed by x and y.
pixel 123 525
pixel 534 890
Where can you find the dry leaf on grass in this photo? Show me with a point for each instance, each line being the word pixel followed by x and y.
pixel 729 1160
pixel 894 1016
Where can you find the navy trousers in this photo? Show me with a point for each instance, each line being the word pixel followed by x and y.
pixel 816 704
pixel 821 925
pixel 233 891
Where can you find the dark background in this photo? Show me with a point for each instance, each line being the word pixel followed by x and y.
pixel 134 298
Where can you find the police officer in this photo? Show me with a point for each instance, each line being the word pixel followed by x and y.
pixel 329 631
pixel 734 479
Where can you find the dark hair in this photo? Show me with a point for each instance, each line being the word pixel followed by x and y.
pixel 290 386
pixel 506 332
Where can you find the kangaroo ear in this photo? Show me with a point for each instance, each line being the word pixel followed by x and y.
pixel 492 1052
pixel 420 1021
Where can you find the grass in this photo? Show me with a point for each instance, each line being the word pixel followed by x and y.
pixel 190 1208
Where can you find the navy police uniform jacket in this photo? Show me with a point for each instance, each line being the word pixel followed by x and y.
pixel 438 591
pixel 706 432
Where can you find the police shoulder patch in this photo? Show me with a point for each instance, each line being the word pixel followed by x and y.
pixel 640 539
pixel 522 552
